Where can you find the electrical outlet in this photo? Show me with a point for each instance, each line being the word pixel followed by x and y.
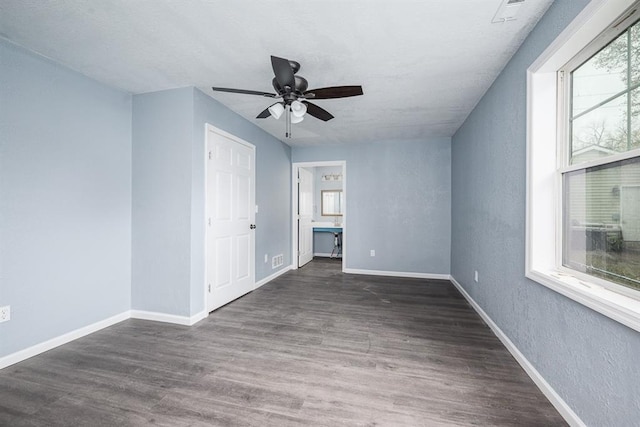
pixel 373 252
pixel 475 276
pixel 5 313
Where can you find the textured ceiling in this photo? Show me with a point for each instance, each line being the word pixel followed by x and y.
pixel 423 64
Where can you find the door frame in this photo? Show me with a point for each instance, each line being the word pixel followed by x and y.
pixel 294 206
pixel 205 157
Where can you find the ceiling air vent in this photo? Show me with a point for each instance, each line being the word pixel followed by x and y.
pixel 507 11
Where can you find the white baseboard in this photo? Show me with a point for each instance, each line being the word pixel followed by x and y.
pixel 34 350
pixel 198 317
pixel 273 276
pixel 565 410
pixel 168 318
pixel 397 274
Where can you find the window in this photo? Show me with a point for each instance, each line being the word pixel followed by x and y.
pixel 601 196
pixel 583 162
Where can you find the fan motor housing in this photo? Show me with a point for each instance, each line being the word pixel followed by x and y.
pixel 301 85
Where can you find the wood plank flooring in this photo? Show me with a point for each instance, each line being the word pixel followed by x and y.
pixel 314 347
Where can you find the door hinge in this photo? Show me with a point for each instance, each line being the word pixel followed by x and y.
pixel 209 287
pixel 210 155
pixel 209 221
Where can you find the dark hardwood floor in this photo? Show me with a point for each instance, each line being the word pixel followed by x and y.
pixel 314 347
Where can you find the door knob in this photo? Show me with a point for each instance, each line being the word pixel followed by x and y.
pixel 252 226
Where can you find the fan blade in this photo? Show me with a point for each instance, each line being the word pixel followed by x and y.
pixel 317 112
pixel 284 73
pixel 334 92
pixel 246 92
pixel 265 113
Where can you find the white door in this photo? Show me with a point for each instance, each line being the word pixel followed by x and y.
pixel 230 205
pixel 630 213
pixel 305 216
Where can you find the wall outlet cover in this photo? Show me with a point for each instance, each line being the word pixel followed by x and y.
pixel 5 313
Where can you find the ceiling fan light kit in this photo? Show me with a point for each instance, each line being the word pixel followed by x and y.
pixel 292 89
pixel 276 110
pixel 298 109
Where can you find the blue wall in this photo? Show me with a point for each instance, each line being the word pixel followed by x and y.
pixel 168 191
pixel 398 197
pixel 590 360
pixel 65 199
pixel 101 199
pixel 161 215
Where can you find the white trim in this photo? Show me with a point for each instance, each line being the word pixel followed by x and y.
pixel 273 276
pixel 618 157
pixel 581 31
pixel 397 274
pixel 52 343
pixel 563 408
pixel 543 259
pixel 616 306
pixel 168 318
pixel 294 205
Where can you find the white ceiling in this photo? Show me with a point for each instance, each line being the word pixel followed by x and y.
pixel 423 64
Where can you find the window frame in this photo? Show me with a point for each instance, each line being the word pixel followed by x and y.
pixel 565 166
pixel 548 158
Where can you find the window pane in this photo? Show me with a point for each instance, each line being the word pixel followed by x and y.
pixel 634 141
pixel 600 132
pixel 601 77
pixel 602 221
pixel 635 53
pixel 605 104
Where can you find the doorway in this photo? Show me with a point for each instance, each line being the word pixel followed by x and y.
pixel 302 228
pixel 230 218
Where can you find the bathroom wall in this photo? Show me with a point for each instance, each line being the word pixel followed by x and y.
pixel 323 242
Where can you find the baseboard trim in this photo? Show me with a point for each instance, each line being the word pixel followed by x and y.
pixel 164 317
pixel 565 410
pixel 52 343
pixel 397 274
pixel 273 276
pixel 198 317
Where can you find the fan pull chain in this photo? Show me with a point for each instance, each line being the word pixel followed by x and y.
pixel 287 113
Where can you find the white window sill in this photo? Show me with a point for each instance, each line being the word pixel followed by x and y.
pixel 621 308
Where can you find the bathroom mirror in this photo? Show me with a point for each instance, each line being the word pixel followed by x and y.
pixel 332 202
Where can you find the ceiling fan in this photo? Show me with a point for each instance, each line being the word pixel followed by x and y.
pixel 292 90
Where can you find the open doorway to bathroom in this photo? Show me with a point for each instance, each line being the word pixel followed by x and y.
pixel 319 227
